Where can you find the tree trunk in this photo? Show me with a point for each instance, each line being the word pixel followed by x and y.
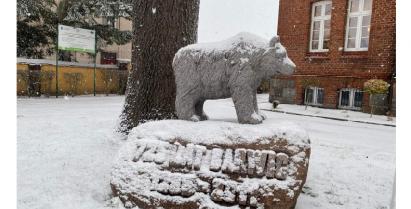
pixel 160 28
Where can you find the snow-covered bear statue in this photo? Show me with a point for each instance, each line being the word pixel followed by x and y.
pixel 231 68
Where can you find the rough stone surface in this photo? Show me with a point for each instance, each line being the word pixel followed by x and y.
pixel 231 68
pixel 164 168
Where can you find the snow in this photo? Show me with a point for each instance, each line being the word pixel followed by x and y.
pixel 66 150
pixel 212 132
pixel 348 115
pixel 244 60
pixel 60 63
pixel 243 42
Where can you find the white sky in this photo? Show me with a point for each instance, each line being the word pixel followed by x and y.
pixel 220 19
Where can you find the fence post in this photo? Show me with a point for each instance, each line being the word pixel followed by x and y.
pixel 57 62
pixel 95 60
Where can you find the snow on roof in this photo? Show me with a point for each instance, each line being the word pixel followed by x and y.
pixel 61 63
pixel 219 132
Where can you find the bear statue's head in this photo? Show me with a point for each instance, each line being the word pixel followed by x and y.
pixel 275 60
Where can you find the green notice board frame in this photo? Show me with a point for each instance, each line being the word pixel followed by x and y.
pixel 76 40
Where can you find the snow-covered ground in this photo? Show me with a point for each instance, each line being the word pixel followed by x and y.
pixel 66 148
pixel 341 114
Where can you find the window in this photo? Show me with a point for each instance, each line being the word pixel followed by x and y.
pixel 110 21
pixel 320 26
pixel 108 58
pixel 358 25
pixel 314 96
pixel 350 98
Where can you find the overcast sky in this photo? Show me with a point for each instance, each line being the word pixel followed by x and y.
pixel 220 19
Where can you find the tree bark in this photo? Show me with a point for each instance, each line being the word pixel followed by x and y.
pixel 160 28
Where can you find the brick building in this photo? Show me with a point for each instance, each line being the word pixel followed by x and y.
pixel 337 45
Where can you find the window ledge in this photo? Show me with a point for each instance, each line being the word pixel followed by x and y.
pixel 349 108
pixel 317 55
pixel 314 105
pixel 354 54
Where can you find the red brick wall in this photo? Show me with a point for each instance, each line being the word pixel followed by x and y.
pixel 337 68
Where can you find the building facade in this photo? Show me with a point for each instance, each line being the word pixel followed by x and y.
pixel 337 45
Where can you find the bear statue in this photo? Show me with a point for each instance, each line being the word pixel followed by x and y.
pixel 231 68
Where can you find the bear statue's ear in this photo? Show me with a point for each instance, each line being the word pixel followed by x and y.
pixel 274 40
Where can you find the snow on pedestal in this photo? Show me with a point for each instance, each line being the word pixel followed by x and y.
pixel 212 164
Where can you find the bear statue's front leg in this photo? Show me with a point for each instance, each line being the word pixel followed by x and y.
pixel 185 108
pixel 244 105
pixel 263 116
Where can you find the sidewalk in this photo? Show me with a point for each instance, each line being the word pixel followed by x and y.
pixel 332 114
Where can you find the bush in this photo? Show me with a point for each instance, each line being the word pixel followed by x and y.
pixel 375 86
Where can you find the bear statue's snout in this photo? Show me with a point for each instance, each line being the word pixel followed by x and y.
pixel 288 67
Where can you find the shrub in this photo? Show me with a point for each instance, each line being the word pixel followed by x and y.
pixel 375 86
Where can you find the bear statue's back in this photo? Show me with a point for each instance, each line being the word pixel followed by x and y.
pixel 243 43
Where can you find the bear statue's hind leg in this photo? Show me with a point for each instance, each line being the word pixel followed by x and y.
pixel 244 105
pixel 200 111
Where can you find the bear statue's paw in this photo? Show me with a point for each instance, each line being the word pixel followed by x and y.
pixel 257 116
pixel 195 118
pixel 263 116
pixel 253 119
pixel 203 117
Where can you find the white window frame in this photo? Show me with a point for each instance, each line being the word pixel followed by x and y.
pixel 359 14
pixel 315 95
pixel 106 20
pixel 321 19
pixel 350 100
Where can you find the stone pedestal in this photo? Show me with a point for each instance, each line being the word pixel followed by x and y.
pixel 181 164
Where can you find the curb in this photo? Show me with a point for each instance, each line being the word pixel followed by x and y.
pixel 330 118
